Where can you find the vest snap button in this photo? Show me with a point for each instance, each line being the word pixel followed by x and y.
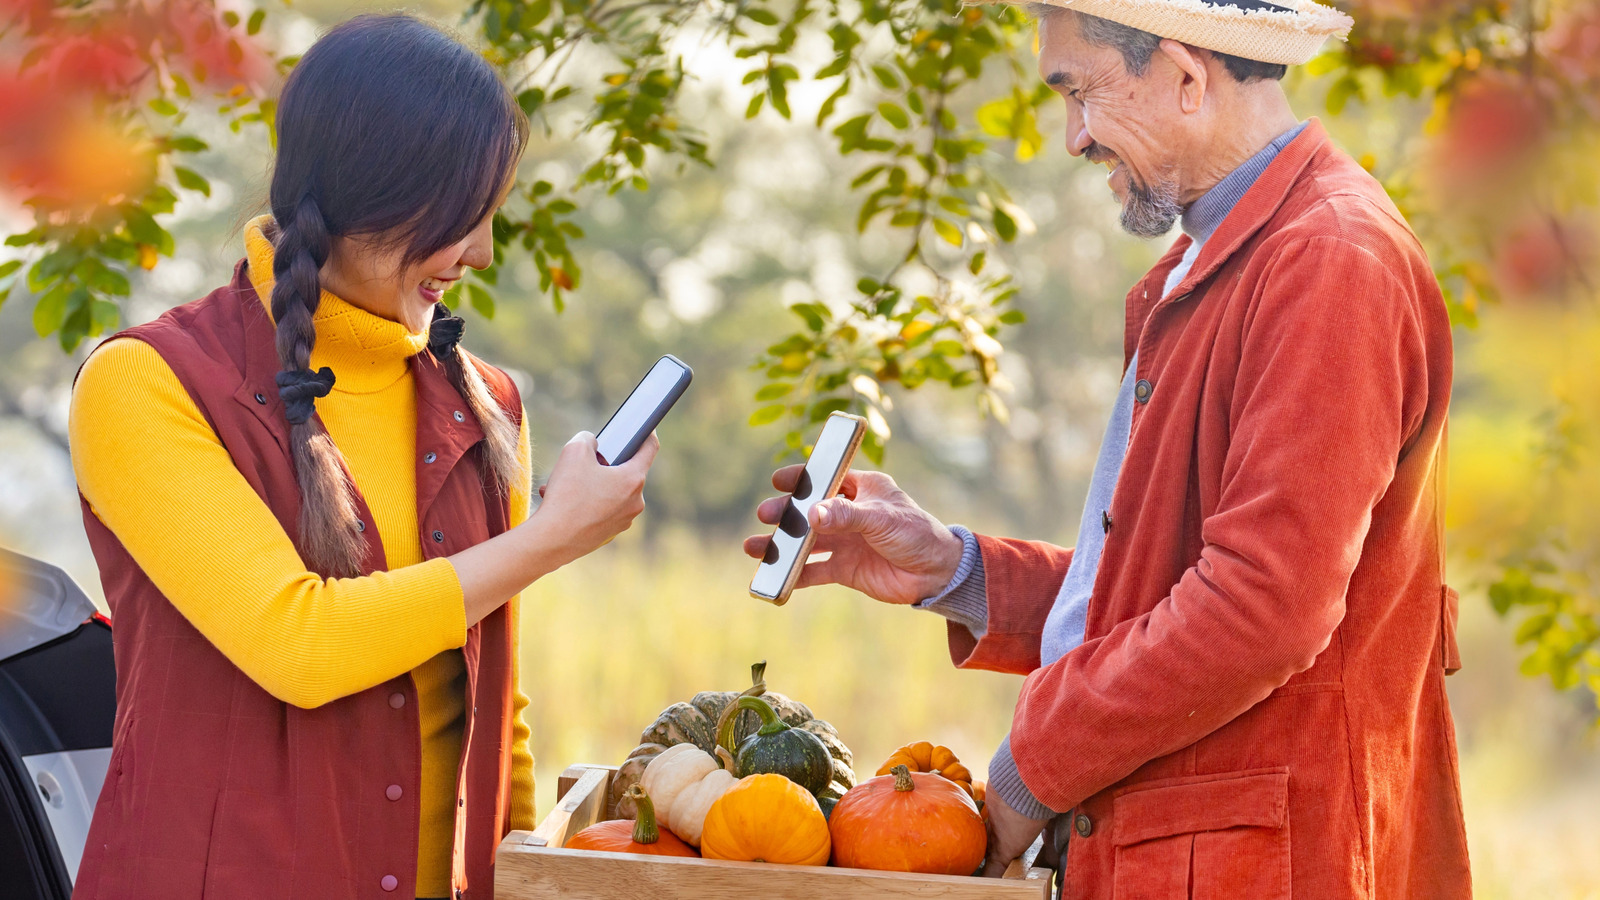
pixel 397 700
pixel 430 457
pixel 438 537
pixel 393 792
pixel 389 882
pixel 1083 826
pixel 1142 391
pixel 261 400
pixel 458 416
pixel 1105 520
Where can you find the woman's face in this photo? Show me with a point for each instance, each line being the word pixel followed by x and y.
pixel 373 277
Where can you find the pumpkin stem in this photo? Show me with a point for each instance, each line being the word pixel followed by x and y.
pixel 902 779
pixel 758 677
pixel 645 830
pixel 724 758
pixel 770 723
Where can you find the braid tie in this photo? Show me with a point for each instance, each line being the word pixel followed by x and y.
pixel 299 391
pixel 444 333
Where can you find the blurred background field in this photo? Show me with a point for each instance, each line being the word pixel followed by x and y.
pixel 704 263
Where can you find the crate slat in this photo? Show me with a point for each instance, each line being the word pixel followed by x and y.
pixel 533 866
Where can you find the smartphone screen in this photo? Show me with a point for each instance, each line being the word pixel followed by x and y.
pixel 791 542
pixel 644 409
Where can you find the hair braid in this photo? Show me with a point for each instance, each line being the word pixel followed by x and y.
pixel 329 540
pixel 501 434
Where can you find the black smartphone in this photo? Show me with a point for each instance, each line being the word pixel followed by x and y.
pixel 631 424
pixel 792 540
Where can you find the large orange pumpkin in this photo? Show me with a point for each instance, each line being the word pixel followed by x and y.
pixel 908 822
pixel 642 835
pixel 925 756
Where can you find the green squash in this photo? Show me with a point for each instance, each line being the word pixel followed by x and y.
pixel 794 753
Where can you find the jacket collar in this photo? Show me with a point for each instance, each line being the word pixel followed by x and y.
pixel 1253 211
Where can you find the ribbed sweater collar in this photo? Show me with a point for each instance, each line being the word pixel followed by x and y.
pixel 366 352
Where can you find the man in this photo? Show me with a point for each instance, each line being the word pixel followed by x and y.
pixel 1235 685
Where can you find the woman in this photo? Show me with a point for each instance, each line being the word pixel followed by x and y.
pixel 310 508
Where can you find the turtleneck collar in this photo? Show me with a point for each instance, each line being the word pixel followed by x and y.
pixel 366 352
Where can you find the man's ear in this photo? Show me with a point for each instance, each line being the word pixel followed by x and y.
pixel 1196 78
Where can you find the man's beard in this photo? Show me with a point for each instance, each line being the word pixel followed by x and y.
pixel 1150 211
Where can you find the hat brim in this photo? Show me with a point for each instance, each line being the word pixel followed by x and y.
pixel 1291 36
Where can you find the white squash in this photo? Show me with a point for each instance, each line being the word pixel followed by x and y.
pixel 694 803
pixel 683 782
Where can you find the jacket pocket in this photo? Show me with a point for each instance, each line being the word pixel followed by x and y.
pixel 1203 837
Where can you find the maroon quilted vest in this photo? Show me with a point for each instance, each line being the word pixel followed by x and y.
pixel 216 789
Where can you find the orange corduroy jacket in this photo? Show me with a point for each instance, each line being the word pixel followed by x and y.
pixel 1258 710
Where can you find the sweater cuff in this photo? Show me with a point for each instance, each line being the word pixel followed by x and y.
pixel 1006 781
pixel 965 600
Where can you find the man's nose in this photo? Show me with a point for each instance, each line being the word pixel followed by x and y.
pixel 1078 139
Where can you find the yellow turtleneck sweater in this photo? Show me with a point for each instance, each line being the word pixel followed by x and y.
pixel 167 488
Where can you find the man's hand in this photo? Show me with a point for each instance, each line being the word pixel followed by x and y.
pixel 1010 834
pixel 883 544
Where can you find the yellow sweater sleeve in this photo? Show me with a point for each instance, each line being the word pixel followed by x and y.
pixel 523 814
pixel 164 484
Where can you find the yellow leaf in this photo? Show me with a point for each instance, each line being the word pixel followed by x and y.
pixel 914 328
pixel 147 257
pixel 616 79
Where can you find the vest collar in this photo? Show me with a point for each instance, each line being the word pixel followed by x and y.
pixel 446 426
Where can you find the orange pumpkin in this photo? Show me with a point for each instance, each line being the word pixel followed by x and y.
pixel 908 822
pixel 924 756
pixel 639 836
pixel 766 818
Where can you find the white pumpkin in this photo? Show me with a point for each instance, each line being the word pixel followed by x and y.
pixel 683 782
pixel 694 803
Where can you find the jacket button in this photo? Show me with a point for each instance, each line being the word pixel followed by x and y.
pixel 393 792
pixel 458 416
pixel 1142 391
pixel 397 700
pixel 1105 520
pixel 1082 825
pixel 389 882
pixel 438 537
pixel 430 456
pixel 261 399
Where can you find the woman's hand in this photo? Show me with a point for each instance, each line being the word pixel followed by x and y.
pixel 883 544
pixel 586 503
pixel 589 502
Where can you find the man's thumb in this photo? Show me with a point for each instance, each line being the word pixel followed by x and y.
pixel 840 515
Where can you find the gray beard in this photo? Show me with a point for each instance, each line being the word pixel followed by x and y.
pixel 1150 212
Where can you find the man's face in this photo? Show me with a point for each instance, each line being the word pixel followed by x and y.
pixel 1124 122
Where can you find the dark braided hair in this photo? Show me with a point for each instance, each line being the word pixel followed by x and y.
pixel 391 130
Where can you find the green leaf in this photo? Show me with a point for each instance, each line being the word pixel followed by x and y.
pixel 482 301
pixel 7 268
pixel 163 106
pixel 186 143
pixel 1004 225
pixel 949 348
pixel 822 409
pixel 767 414
pixel 51 310
pixel 192 180
pixel 254 25
pixel 755 106
pixel 1013 317
pixel 948 230
pixel 761 16
pixel 894 115
pixel 773 391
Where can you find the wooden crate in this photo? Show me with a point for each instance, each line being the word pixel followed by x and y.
pixel 533 866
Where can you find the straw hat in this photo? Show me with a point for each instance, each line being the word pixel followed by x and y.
pixel 1284 31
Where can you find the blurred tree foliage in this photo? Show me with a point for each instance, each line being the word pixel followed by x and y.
pixel 1502 186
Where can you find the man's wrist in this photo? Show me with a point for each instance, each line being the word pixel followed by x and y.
pixel 1006 783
